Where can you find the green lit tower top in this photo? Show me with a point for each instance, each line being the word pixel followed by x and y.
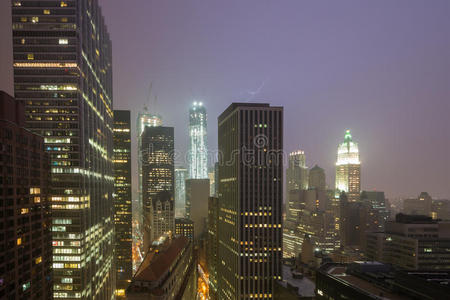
pixel 348 168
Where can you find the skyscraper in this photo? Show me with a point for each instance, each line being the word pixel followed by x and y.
pixel 348 169
pixel 317 178
pixel 122 200
pixel 157 150
pixel 181 175
pixel 197 194
pixel 25 246
pixel 144 119
pixel 297 172
pixel 250 213
pixel 198 152
pixel 62 72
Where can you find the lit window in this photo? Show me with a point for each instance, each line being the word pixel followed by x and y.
pixel 63 41
pixel 24 211
pixel 23 19
pixel 17 3
pixel 38 260
pixel 63 4
pixel 35 190
pixel 34 19
pixel 22 41
pixel 30 56
pixel 19 241
pixel 46 11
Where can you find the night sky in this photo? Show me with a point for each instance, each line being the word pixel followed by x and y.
pixel 380 68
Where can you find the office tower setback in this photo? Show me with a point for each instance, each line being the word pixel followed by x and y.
pixel 297 172
pixel 181 174
pixel 157 149
pixel 197 194
pixel 63 74
pixel 122 200
pixel 348 169
pixel 167 272
pixel 25 244
pixel 198 152
pixel 184 227
pixel 250 139
pixel 144 119
pixel 412 242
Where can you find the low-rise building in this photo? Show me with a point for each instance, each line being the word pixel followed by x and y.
pixel 167 272
pixel 373 280
pixel 412 243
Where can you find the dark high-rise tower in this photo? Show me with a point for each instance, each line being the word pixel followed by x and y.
pixel 158 182
pixel 25 243
pixel 122 200
pixel 250 200
pixel 62 72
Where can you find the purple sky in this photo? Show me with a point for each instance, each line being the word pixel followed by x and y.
pixel 380 68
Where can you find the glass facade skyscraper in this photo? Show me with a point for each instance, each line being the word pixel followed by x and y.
pixel 158 182
pixel 144 119
pixel 348 169
pixel 198 152
pixel 181 174
pixel 63 74
pixel 122 200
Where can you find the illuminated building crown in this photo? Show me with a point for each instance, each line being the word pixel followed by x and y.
pixel 348 152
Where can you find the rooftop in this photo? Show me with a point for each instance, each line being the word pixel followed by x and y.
pixel 159 259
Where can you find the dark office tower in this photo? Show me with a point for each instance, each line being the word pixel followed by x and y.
pixel 25 243
pixel 62 72
pixel 158 175
pixel 197 194
pixel 250 200
pixel 122 200
pixel 317 178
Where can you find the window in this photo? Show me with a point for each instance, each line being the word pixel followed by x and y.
pixel 30 56
pixel 34 19
pixel 63 41
pixel 46 11
pixel 38 260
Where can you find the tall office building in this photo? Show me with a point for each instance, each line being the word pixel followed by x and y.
pixel 122 200
pixel 348 169
pixel 62 72
pixel 181 175
pixel 317 178
pixel 198 152
pixel 144 119
pixel 197 194
pixel 25 246
pixel 297 172
pixel 250 200
pixel 157 150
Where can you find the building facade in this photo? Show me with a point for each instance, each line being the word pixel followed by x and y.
pixel 212 246
pixel 184 227
pixel 412 243
pixel 250 211
pixel 348 169
pixel 122 200
pixel 157 150
pixel 144 119
pixel 422 205
pixel 197 194
pixel 297 172
pixel 63 74
pixel 25 246
pixel 198 151
pixel 181 174
pixel 168 272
